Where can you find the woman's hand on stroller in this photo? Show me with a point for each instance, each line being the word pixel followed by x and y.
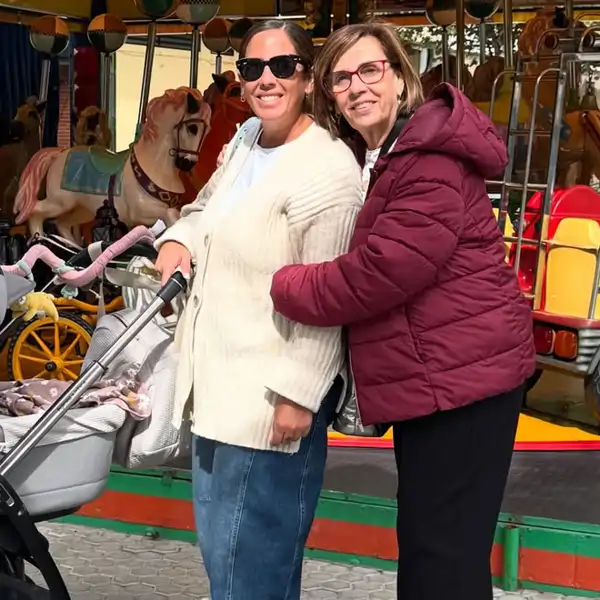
pixel 173 256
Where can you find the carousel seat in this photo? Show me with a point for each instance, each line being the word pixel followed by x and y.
pixel 106 161
pixel 570 268
pixel 90 170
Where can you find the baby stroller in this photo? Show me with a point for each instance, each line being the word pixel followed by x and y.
pixel 35 483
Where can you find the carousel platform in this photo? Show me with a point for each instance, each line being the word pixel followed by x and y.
pixel 547 538
pixel 103 565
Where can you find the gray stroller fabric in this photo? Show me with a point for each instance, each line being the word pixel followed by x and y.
pixel 153 441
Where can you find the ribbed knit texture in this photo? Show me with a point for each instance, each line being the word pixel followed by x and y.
pixel 237 353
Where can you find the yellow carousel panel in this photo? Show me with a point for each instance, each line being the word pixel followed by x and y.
pixel 533 434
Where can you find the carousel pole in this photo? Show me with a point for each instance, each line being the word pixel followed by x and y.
pixel 509 62
pixel 482 42
pixel 460 42
pixel 49 35
pixel 482 10
pixel 147 76
pixel 443 14
pixel 107 33
pixel 218 63
pixel 196 13
pixel 216 38
pixel 195 59
pixel 153 10
pixel 445 55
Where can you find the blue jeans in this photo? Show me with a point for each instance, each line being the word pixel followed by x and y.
pixel 254 510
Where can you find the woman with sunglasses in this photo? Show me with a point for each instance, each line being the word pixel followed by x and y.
pixel 440 336
pixel 262 390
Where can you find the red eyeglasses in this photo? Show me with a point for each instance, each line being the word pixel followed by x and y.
pixel 369 73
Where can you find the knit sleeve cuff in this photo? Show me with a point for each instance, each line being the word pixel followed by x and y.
pixel 183 232
pixel 303 384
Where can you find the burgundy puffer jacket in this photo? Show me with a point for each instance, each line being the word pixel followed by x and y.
pixel 434 313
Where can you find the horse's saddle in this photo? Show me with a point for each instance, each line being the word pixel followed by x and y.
pixel 107 162
pixel 94 171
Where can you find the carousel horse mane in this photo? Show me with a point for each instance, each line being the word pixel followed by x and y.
pixel 174 99
pixel 92 128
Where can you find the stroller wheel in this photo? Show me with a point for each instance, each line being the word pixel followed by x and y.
pixel 12 567
pixel 44 349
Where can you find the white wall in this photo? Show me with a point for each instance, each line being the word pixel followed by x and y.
pixel 171 69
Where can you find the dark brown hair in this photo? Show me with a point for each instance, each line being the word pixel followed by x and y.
pixel 302 42
pixel 300 39
pixel 337 44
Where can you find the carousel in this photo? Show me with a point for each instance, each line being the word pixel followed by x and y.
pixel 72 190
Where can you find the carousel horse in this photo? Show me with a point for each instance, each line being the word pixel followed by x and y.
pixel 433 76
pixel 215 89
pixel 480 93
pixel 23 141
pixel 141 183
pixel 92 128
pixel 229 111
pixel 541 38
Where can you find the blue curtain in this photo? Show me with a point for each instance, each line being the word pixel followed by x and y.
pixel 20 72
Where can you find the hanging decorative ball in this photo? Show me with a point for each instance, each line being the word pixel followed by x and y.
pixel 49 35
pixel 441 12
pixel 216 36
pixel 481 9
pixel 156 9
pixel 237 31
pixel 197 12
pixel 107 33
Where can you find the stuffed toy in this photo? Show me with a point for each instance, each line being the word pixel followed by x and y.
pixel 34 304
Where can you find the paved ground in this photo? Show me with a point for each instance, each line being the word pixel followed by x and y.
pixel 103 565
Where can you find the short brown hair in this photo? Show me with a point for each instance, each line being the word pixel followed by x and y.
pixel 335 46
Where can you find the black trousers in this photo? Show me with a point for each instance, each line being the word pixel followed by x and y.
pixel 452 470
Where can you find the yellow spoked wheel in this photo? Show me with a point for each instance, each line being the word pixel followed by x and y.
pixel 44 349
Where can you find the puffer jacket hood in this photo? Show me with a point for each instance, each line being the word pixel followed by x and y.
pixel 449 124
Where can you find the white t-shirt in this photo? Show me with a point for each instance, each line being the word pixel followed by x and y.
pixel 370 160
pixel 256 165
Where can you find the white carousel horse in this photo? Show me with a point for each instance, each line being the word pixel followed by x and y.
pixel 142 183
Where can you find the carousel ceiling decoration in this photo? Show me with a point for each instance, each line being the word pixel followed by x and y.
pixel 49 35
pixel 196 13
pixel 129 10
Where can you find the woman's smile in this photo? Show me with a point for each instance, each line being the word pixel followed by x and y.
pixel 269 99
pixel 363 107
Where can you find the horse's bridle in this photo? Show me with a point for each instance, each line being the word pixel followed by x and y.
pixel 179 151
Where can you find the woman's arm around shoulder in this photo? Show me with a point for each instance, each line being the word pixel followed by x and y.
pixel 414 235
pixel 322 217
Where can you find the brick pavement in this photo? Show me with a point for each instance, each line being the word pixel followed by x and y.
pixel 103 565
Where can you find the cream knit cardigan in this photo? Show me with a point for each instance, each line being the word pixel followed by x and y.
pixel 236 353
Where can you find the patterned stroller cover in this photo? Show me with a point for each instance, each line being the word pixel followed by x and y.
pixel 125 418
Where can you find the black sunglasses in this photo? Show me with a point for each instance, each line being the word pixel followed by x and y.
pixel 283 67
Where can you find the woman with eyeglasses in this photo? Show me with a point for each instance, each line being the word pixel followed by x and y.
pixel 261 390
pixel 440 337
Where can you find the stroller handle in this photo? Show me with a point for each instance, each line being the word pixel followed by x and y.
pixel 174 286
pixel 95 370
